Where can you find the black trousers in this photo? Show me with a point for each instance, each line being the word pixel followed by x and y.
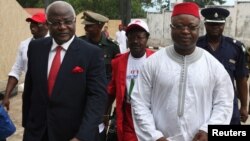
pixel 45 136
pixel 102 136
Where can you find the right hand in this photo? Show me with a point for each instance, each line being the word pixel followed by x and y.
pixel 162 139
pixel 6 102
pixel 200 136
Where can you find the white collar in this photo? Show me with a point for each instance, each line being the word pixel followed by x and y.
pixel 65 45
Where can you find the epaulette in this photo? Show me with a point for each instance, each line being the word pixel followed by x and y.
pixel 236 43
pixel 113 41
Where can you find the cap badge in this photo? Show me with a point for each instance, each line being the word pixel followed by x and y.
pixel 216 15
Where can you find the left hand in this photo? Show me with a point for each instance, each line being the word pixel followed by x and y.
pixel 74 139
pixel 106 121
pixel 200 136
pixel 243 113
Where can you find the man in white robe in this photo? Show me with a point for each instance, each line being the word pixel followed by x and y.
pixel 121 38
pixel 181 89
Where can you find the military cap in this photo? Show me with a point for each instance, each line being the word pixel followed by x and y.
pixel 93 18
pixel 215 14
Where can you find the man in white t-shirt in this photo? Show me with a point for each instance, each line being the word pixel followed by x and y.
pixel 125 70
pixel 39 29
pixel 121 39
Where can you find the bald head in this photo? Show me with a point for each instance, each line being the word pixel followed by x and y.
pixel 57 6
pixel 61 20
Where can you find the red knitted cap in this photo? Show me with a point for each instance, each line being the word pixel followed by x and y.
pixel 189 8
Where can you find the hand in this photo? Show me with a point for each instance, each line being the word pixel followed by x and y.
pixel 243 113
pixel 162 139
pixel 74 139
pixel 200 136
pixel 6 102
pixel 106 120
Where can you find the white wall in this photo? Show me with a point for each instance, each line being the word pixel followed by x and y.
pixel 237 25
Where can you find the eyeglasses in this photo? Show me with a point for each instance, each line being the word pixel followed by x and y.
pixel 183 27
pixel 59 23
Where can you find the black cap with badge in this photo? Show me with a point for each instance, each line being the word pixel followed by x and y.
pixel 215 14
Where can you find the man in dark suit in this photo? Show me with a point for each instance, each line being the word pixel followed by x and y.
pixel 65 85
pixel 94 23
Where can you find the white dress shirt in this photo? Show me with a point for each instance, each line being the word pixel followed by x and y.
pixel 52 52
pixel 178 95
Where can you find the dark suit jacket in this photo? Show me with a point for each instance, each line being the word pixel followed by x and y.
pixel 78 99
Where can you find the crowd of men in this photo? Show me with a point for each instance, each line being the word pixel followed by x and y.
pixel 72 82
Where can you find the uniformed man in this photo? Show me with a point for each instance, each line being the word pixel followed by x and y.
pixel 94 23
pixel 230 53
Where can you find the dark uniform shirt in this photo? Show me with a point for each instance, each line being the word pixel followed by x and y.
pixel 232 55
pixel 110 50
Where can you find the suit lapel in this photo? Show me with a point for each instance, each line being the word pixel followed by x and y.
pixel 44 66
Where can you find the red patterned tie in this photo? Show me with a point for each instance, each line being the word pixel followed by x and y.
pixel 56 63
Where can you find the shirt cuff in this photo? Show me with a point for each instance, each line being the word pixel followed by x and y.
pixel 14 75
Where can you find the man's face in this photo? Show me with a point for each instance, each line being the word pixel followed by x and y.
pixel 214 29
pixel 120 27
pixel 93 30
pixel 185 32
pixel 137 42
pixel 38 30
pixel 61 23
